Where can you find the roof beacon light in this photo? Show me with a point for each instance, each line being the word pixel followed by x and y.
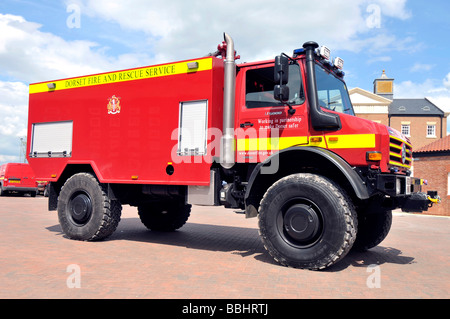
pixel 299 51
pixel 339 63
pixel 324 52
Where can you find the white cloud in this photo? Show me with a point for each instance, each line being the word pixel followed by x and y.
pixel 13 108
pixel 261 28
pixel 421 67
pixel 13 119
pixel 178 29
pixel 446 81
pixel 394 8
pixel 30 55
pixel 380 59
pixel 410 89
pixel 8 159
pixel 158 18
pixel 431 89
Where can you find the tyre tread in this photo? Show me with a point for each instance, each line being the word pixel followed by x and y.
pixel 111 210
pixel 349 215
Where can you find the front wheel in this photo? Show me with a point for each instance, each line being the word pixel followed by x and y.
pixel 307 221
pixel 85 211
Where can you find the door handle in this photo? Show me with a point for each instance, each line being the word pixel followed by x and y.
pixel 246 124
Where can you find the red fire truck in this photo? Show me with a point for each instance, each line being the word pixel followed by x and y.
pixel 277 139
pixel 17 178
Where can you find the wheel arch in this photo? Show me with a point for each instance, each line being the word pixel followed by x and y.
pixel 69 170
pixel 298 160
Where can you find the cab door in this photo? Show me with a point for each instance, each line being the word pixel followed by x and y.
pixel 263 124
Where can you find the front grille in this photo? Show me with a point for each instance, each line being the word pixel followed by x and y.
pixel 400 152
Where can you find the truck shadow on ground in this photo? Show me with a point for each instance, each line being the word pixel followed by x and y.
pixel 237 240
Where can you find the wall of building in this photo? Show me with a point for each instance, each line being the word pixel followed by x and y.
pixel 418 127
pixel 436 170
pixel 379 118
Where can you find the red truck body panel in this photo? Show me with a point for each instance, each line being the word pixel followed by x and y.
pixel 135 142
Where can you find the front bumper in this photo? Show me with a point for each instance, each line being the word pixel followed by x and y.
pixel 407 193
pixel 398 185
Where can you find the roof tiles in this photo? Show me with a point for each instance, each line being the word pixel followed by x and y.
pixel 441 145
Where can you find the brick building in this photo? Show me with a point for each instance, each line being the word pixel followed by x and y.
pixel 419 119
pixel 423 122
pixel 433 161
pixel 370 106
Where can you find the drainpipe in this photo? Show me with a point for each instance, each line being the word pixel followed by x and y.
pixel 227 141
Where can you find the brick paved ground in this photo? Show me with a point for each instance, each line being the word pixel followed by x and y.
pixel 218 254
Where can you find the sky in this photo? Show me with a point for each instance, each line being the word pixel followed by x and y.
pixel 44 40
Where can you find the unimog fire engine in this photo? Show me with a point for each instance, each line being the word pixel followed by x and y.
pixel 277 139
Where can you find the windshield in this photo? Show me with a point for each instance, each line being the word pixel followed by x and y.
pixel 332 92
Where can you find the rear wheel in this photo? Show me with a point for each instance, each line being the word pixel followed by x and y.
pixel 164 216
pixel 85 211
pixel 307 221
pixel 372 229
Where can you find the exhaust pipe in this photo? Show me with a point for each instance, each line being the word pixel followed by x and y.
pixel 227 141
pixel 320 120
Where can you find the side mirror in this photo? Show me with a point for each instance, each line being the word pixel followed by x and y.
pixel 281 76
pixel 281 93
pixel 281 70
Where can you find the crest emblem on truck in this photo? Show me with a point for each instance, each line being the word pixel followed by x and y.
pixel 114 105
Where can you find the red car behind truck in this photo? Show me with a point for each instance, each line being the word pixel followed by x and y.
pixel 17 178
pixel 277 139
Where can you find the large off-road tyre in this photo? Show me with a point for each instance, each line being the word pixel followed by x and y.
pixel 164 216
pixel 372 229
pixel 307 221
pixel 85 211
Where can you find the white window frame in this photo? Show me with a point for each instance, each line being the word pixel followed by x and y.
pixel 431 130
pixel 404 128
pixel 448 183
pixel 192 128
pixel 52 139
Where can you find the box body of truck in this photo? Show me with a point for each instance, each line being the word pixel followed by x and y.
pixel 126 124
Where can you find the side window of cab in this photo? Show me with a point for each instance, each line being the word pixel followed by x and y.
pixel 260 84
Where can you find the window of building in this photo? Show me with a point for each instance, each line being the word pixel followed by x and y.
pixel 431 130
pixel 448 184
pixel 406 129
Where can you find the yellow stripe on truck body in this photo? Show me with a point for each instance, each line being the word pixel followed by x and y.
pixel 332 142
pixel 124 76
